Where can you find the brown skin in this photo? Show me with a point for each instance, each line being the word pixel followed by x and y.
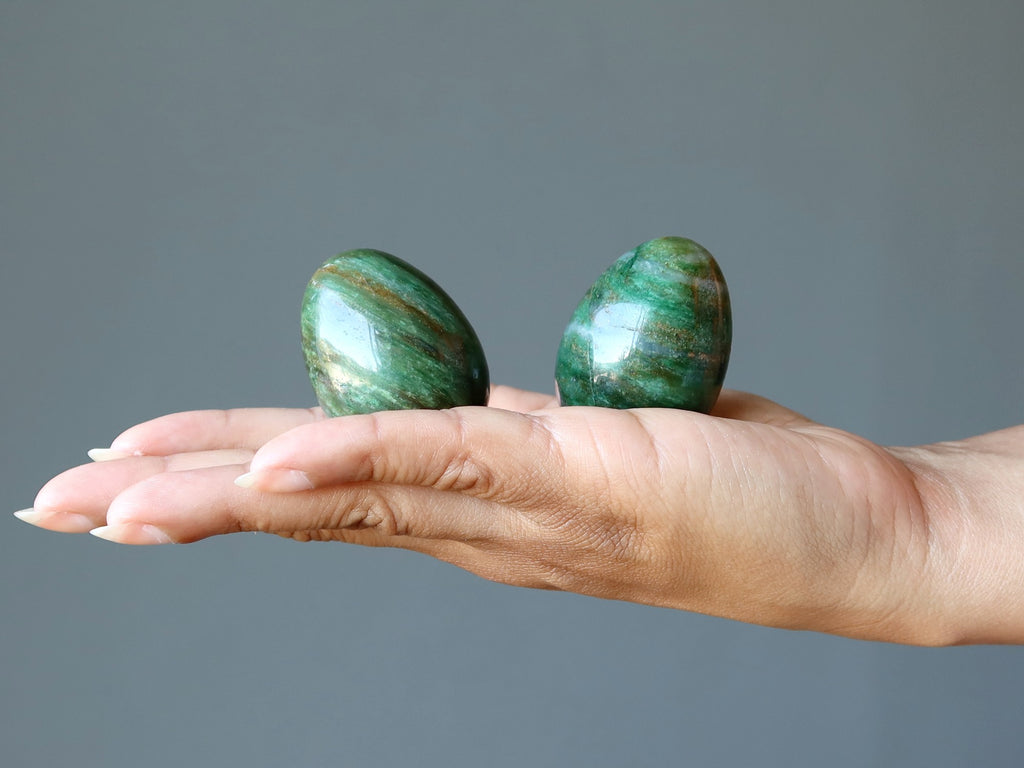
pixel 753 513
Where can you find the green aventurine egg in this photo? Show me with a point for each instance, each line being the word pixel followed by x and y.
pixel 654 331
pixel 379 335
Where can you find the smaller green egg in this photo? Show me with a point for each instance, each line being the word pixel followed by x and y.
pixel 379 335
pixel 654 331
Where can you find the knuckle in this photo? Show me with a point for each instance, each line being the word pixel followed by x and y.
pixel 370 509
pixel 461 471
pixel 529 469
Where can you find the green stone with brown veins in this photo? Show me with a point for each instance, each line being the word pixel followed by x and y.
pixel 654 331
pixel 378 335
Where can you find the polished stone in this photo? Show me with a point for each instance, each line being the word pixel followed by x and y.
pixel 654 331
pixel 378 335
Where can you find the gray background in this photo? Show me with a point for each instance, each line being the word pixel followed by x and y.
pixel 172 173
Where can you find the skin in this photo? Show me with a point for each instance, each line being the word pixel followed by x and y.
pixel 753 512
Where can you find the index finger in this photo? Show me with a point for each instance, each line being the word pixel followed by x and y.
pixel 237 428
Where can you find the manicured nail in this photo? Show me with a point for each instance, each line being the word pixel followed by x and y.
pixel 132 533
pixel 106 454
pixel 31 516
pixel 276 480
pixel 64 522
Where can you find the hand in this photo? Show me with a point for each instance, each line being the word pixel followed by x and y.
pixel 754 512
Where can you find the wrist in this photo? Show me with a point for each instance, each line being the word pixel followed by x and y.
pixel 971 492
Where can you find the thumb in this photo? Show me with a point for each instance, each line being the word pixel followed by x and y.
pixel 486 453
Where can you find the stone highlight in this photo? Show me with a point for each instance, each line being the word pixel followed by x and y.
pixel 378 334
pixel 654 331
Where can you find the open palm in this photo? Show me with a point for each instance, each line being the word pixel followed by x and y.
pixel 753 512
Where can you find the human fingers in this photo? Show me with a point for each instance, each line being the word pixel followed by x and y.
pixel 76 501
pixel 561 495
pixel 512 399
pixel 187 506
pixel 486 452
pixel 251 427
pixel 189 431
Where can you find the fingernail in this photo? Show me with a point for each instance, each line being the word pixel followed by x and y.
pixel 31 516
pixel 276 480
pixel 132 533
pixel 63 522
pixel 106 454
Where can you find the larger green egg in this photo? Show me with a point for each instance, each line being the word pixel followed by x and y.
pixel 379 335
pixel 654 331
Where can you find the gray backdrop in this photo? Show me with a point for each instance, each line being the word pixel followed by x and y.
pixel 172 173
